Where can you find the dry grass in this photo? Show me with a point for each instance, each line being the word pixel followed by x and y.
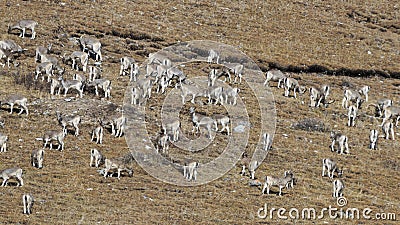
pixel 333 36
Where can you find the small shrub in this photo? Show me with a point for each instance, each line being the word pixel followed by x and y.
pixel 391 164
pixel 310 124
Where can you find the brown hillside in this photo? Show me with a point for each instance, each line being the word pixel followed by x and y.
pixel 340 43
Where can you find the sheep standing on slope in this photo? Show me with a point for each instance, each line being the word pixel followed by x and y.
pixel 251 166
pixel 97 133
pixel 353 96
pixel 388 129
pixel 91 45
pixel 213 55
pixel 96 158
pixel 275 75
pixel 190 170
pixel 280 182
pixel 342 141
pixel 331 167
pixel 37 158
pixel 352 115
pixel 319 96
pixel 291 84
pixel 16 100
pixel 6 56
pixel 10 173
pixel 3 142
pixel 27 201
pixel 118 164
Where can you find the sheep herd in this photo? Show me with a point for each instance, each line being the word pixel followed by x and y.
pixel 161 73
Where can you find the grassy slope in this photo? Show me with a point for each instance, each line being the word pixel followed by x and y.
pixel 296 34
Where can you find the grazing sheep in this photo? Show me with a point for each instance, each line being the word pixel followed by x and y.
pixel 65 121
pixel 352 115
pixel 96 158
pixel 352 95
pixel 186 90
pixel 15 172
pixel 162 84
pixel 364 91
pixel 94 73
pixel 163 143
pixel 97 133
pixel 291 183
pixel 151 70
pixel 231 94
pixel 212 77
pixel 237 70
pixel 213 55
pixel 391 112
pixel 128 63
pixel 201 121
pixel 271 181
pixel 176 73
pixel 319 95
pixel 23 25
pixel 159 59
pixel 292 84
pixel 117 123
pixel 102 83
pixel 373 139
pixel 224 121
pixel 275 75
pixel 40 50
pixel 214 93
pixel 53 135
pixel 48 69
pixel 145 85
pixel 49 58
pixel 331 167
pixel 388 129
pixel 190 171
pixel 342 142
pixel 83 58
pixel 7 57
pixel 16 100
pixel 171 126
pixel 135 96
pixel 338 187
pixel 11 46
pixel 3 142
pixel 251 165
pixel 382 104
pixel 55 83
pixel 72 84
pixel 37 158
pixel 92 45
pixel 117 164
pixel 267 141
